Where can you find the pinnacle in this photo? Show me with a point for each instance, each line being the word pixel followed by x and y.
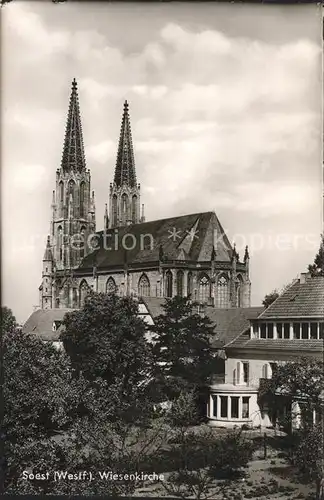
pixel 73 157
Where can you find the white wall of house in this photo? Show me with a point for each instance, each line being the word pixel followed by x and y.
pixel 240 387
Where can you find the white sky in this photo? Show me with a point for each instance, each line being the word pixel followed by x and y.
pixel 225 104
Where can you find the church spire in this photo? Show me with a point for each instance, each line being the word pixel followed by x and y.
pixel 125 165
pixel 73 157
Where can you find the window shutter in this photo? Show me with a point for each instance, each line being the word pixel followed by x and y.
pixel 238 373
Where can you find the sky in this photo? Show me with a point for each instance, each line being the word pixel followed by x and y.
pixel 225 105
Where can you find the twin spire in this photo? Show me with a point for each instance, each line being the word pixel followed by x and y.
pixel 73 157
pixel 125 164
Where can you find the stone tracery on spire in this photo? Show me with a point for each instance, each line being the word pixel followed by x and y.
pixel 125 173
pixel 73 157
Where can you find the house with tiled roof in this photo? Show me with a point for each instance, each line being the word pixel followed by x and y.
pixel 291 327
pixel 46 324
pixel 182 255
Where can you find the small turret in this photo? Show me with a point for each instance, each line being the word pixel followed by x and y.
pixel 106 218
pixel 247 259
pixel 142 216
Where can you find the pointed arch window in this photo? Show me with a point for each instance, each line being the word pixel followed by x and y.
pixel 180 283
pixel 83 293
pixel 67 295
pixel 124 207
pixel 82 188
pixel 60 241
pixel 204 288
pixel 71 187
pixel 61 191
pixel 74 297
pixel 70 191
pixel 168 283
pixel 222 292
pixel 83 242
pixel 189 283
pixel 111 286
pixel 114 210
pixel 144 286
pixel 134 208
pixel 239 291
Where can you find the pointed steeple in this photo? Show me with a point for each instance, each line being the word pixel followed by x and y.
pixel 73 157
pixel 48 257
pixel 125 165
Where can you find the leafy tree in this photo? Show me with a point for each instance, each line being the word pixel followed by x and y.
pixel 270 298
pixel 317 268
pixel 8 320
pixel 301 381
pixel 183 348
pixel 106 341
pixel 38 389
pixel 309 456
pixel 55 419
pixel 197 457
pixel 40 398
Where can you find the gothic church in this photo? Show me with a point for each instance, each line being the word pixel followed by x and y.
pixel 186 255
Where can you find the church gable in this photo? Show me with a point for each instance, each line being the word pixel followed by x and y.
pixel 214 237
pixel 188 237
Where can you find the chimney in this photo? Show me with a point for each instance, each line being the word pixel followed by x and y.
pixel 303 278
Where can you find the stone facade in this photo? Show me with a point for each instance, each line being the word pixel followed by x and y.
pixel 188 255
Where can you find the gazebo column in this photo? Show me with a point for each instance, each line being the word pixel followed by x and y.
pixel 211 406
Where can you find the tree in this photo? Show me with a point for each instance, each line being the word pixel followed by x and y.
pixel 40 398
pixel 56 419
pixel 317 268
pixel 301 382
pixel 183 348
pixel 106 339
pixel 309 456
pixel 8 320
pixel 270 298
pixel 106 342
pixel 197 457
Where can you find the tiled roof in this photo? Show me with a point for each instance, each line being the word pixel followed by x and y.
pixel 294 345
pixel 229 323
pixel 301 299
pixel 40 323
pixel 182 246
